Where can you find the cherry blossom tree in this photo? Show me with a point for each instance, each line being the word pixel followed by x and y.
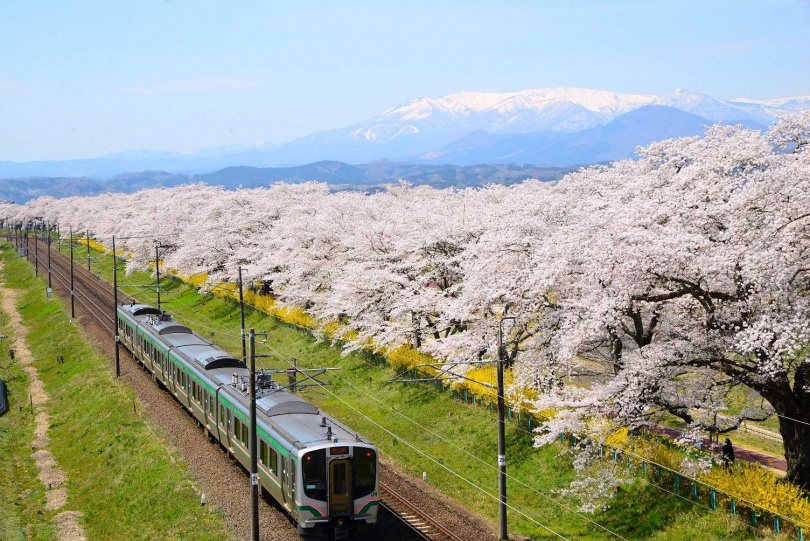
pixel 665 284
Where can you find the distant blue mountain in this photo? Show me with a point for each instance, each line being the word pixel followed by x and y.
pixel 558 126
pixel 617 139
pixel 340 176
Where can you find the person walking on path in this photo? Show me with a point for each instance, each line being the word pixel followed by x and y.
pixel 728 453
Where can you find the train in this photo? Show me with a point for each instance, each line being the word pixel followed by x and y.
pixel 325 475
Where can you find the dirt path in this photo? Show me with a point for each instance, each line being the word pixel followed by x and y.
pixel 67 522
pixel 741 452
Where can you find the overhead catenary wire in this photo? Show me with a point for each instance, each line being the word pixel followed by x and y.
pixel 453 472
pixel 429 457
pixel 283 357
pixel 629 453
pixel 236 336
pixel 477 458
pixel 64 281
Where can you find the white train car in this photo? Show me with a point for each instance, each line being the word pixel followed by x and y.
pixel 324 474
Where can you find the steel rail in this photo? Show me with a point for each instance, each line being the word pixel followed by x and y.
pixel 96 285
pixel 427 519
pixel 95 311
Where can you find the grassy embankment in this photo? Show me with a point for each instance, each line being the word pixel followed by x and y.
pixel 120 473
pixel 22 496
pixel 461 434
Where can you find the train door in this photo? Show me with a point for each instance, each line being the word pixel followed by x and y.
pixel 209 409
pixel 287 481
pixel 340 485
pixel 228 429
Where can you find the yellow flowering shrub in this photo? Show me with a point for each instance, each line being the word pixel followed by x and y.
pixel 196 280
pixel 618 438
pixel 486 374
pixel 99 247
pixel 95 245
pixel 265 303
pixel 752 483
pixel 653 449
pixel 407 357
pixel 298 316
pixel 333 329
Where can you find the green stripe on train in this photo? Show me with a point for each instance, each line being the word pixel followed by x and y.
pixel 180 364
pixel 368 506
pixel 310 509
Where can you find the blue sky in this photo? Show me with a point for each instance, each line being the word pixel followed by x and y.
pixel 82 79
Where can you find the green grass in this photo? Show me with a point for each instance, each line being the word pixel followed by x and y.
pixel 120 472
pixel 640 511
pixel 22 496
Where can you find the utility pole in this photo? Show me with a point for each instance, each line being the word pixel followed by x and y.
pixel 87 238
pixel 49 264
pixel 501 434
pixel 72 294
pixel 254 475
pixel 115 310
pixel 157 271
pixel 36 254
pixel 242 315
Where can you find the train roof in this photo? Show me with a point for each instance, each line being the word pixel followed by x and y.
pixel 302 423
pixel 139 309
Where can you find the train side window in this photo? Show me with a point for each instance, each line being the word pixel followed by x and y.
pixel 245 434
pixel 211 406
pixel 274 462
pixel 236 423
pixel 263 452
pixel 222 415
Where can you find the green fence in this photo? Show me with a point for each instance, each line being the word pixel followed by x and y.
pixel 662 477
pixel 699 493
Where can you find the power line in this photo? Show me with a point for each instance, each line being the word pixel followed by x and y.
pixel 466 452
pixel 627 452
pixel 428 456
pixel 281 356
pixel 236 336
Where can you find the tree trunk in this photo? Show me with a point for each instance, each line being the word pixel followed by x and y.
pixel 796 442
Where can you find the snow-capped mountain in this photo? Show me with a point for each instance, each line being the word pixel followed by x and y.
pixel 422 128
pixel 557 109
pixel 559 126
pixel 554 109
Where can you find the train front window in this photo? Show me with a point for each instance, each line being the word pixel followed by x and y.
pixel 365 471
pixel 339 472
pixel 313 472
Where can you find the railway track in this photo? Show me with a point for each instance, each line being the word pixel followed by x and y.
pixel 95 295
pixel 409 513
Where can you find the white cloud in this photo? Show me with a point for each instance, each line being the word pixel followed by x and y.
pixel 191 86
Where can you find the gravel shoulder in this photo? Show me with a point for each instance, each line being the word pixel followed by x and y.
pixel 223 480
